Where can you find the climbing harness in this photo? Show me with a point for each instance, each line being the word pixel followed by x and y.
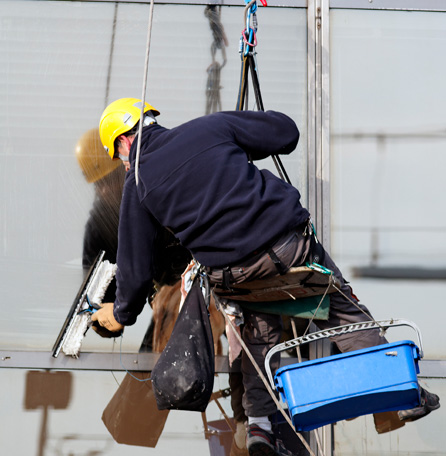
pixel 325 276
pixel 264 379
pixel 248 43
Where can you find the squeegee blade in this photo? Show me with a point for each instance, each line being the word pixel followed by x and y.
pixel 77 303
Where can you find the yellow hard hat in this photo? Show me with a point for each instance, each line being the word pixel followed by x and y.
pixel 118 118
pixel 92 158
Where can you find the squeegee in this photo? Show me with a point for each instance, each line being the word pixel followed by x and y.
pixel 87 301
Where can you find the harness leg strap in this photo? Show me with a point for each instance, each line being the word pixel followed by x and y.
pixel 226 278
pixel 281 268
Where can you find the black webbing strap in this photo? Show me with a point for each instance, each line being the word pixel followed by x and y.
pixel 226 278
pixel 249 67
pixel 281 268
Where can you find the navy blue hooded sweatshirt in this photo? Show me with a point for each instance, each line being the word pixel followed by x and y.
pixel 196 181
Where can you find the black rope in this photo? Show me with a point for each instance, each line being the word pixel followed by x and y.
pixel 249 67
pixel 213 99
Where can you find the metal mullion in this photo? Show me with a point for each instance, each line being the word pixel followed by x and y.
pixel 325 124
pixel 318 118
pixel 318 156
pixel 311 115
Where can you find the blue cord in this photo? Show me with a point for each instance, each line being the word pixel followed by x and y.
pixel 142 380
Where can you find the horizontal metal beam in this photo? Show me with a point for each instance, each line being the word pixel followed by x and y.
pixel 271 3
pixel 408 5
pixel 141 362
pixel 95 361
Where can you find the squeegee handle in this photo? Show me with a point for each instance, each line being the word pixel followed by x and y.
pixel 92 307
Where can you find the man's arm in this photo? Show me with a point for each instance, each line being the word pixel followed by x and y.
pixel 262 134
pixel 137 234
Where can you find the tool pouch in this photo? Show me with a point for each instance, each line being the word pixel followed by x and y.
pixel 183 377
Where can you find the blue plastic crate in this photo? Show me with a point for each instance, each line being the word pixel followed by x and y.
pixel 371 380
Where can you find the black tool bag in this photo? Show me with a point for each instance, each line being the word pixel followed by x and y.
pixel 183 377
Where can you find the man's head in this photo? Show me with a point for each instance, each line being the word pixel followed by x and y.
pixel 91 157
pixel 119 124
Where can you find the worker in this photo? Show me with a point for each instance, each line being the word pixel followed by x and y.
pixel 239 222
pixel 101 229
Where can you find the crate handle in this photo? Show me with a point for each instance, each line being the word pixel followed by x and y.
pixel 337 331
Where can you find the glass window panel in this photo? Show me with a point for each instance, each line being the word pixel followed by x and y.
pixel 358 437
pixel 387 144
pixel 59 70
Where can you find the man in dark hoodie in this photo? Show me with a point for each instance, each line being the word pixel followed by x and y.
pixel 197 180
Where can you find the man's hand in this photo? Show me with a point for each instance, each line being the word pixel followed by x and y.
pixel 106 319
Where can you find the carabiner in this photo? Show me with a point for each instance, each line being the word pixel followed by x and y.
pixel 252 5
pixel 251 41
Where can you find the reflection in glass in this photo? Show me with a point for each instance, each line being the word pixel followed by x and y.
pixel 388 161
pixel 62 63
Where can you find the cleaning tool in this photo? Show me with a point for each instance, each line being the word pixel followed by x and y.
pixel 87 301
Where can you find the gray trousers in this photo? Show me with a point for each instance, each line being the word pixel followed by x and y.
pixel 262 331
